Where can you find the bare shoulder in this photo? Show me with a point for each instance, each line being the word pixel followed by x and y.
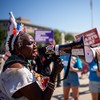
pixel 16 65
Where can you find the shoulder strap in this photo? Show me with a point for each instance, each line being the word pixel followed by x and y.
pixel 12 60
pixel 68 67
pixel 9 64
pixel 67 70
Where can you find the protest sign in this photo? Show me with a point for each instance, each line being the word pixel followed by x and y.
pixel 91 37
pixel 44 36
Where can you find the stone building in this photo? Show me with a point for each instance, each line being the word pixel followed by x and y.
pixel 29 27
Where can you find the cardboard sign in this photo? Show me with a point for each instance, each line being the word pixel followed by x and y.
pixel 91 37
pixel 44 36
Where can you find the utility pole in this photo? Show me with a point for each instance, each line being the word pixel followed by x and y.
pixel 91 8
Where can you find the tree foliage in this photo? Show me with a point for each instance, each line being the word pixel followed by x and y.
pixel 32 34
pixel 69 37
pixel 2 36
pixel 57 36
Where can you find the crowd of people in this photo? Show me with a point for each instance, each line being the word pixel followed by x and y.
pixel 26 73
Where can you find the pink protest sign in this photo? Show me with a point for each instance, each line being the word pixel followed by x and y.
pixel 90 37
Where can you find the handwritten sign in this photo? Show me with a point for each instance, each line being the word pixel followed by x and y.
pixel 91 37
pixel 43 36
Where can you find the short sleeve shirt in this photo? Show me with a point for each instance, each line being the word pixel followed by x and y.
pixel 17 79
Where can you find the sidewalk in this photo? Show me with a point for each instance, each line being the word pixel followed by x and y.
pixel 83 91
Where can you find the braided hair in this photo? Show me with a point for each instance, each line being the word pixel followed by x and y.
pixel 18 41
pixel 12 34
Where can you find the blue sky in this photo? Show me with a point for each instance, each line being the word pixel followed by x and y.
pixel 64 15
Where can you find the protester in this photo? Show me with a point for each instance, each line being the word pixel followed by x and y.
pixel 72 80
pixel 98 69
pixel 98 59
pixel 17 81
pixel 94 79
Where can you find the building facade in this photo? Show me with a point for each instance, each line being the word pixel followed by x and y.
pixel 30 28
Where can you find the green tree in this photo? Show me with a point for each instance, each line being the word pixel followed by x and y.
pixel 2 36
pixel 69 37
pixel 57 36
pixel 32 34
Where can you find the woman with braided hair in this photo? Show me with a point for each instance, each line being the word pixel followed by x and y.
pixel 17 82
